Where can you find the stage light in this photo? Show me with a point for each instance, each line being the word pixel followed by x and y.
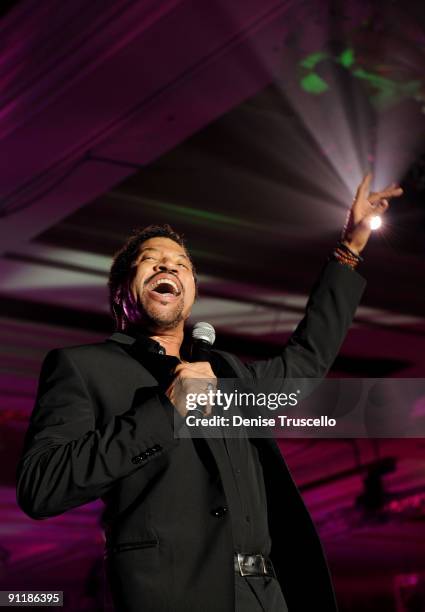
pixel 375 222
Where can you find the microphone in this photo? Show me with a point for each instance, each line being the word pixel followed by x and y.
pixel 203 337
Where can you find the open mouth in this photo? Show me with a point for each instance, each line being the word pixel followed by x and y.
pixel 165 286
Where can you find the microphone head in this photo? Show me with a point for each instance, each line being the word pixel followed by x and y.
pixel 203 331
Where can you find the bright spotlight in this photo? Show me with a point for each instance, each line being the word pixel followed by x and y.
pixel 375 222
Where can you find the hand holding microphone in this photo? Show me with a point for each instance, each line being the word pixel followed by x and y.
pixel 197 377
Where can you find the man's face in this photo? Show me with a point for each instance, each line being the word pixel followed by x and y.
pixel 163 285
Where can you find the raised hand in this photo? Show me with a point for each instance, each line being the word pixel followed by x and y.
pixel 366 205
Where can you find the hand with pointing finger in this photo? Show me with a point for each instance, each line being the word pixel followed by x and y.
pixel 366 205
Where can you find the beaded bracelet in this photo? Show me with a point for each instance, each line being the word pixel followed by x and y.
pixel 344 255
pixel 343 246
pixel 347 262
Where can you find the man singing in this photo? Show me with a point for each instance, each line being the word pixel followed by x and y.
pixel 190 525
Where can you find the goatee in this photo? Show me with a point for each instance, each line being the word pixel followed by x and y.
pixel 161 320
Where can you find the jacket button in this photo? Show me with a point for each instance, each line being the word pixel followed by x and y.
pixel 136 459
pixel 219 512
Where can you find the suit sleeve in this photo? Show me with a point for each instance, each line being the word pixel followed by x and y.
pixel 66 461
pixel 314 345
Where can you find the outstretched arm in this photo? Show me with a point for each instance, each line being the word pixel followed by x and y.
pixel 314 345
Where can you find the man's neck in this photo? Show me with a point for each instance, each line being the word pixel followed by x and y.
pixel 171 340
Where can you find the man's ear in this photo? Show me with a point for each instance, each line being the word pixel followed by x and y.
pixel 124 292
pixel 118 296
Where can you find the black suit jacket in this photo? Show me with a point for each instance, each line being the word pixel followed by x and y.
pixel 100 429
